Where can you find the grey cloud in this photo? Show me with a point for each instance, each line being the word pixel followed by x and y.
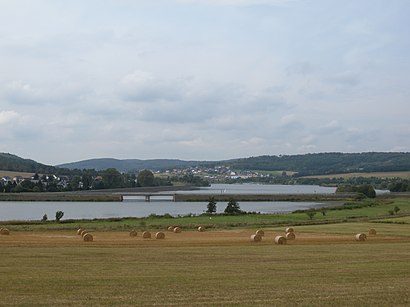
pixel 300 68
pixel 346 79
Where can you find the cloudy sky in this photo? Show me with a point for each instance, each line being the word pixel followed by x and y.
pixel 202 79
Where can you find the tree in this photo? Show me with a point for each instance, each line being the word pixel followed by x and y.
pixel 59 215
pixel 211 207
pixel 232 207
pixel 396 209
pixel 112 178
pixel 145 178
pixel 87 180
pixel 365 189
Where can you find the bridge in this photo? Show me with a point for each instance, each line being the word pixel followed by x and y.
pixel 148 196
pixel 190 197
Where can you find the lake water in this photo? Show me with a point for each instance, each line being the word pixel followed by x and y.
pixel 133 207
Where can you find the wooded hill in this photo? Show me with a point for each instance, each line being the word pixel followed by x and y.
pixel 129 165
pixel 327 163
pixel 307 164
pixel 10 162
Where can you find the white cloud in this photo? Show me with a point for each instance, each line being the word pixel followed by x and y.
pixel 8 116
pixel 202 79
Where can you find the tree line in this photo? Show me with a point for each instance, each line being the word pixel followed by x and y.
pixel 93 180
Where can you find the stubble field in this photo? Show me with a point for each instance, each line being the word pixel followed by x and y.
pixel 323 266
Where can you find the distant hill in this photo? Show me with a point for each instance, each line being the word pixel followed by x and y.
pixel 10 162
pixel 327 163
pixel 128 164
pixel 307 164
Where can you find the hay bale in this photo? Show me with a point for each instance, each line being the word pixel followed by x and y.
pixel 177 229
pixel 133 233
pixel 290 236
pixel 160 235
pixel 83 233
pixel 256 238
pixel 171 228
pixel 4 232
pixel 146 235
pixel 280 240
pixel 360 237
pixel 372 232
pixel 201 229
pixel 289 229
pixel 88 237
pixel 79 231
pixel 260 232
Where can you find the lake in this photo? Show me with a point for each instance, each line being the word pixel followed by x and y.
pixel 134 207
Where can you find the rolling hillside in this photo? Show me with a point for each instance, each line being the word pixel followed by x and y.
pixel 327 163
pixel 10 162
pixel 129 164
pixel 304 165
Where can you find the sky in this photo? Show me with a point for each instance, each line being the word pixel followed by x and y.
pixel 202 79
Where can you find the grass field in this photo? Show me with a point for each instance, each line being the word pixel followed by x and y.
pixel 324 266
pixel 48 264
pixel 366 210
pixel 14 174
pixel 404 175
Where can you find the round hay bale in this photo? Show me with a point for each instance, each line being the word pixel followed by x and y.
pixel 88 237
pixel 160 235
pixel 289 229
pixel 201 229
pixel 372 232
pixel 79 231
pixel 177 229
pixel 290 236
pixel 360 237
pixel 260 232
pixel 83 233
pixel 171 228
pixel 133 233
pixel 256 238
pixel 280 240
pixel 146 235
pixel 4 232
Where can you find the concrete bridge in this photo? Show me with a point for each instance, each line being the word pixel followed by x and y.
pixel 190 197
pixel 148 196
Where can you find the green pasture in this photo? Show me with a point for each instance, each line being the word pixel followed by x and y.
pixel 358 211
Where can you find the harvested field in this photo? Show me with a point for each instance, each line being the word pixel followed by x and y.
pixel 404 174
pixel 211 268
pixel 15 174
pixel 185 239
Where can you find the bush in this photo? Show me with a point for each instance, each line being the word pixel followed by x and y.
pixel 365 189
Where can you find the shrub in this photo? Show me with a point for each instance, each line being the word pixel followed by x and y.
pixel 311 214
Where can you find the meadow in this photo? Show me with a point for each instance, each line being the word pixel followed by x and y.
pixel 219 267
pixel 402 174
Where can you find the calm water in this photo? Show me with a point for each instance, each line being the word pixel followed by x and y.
pixel 133 207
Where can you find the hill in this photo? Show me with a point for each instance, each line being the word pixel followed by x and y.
pixel 327 163
pixel 304 165
pixel 10 162
pixel 128 164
